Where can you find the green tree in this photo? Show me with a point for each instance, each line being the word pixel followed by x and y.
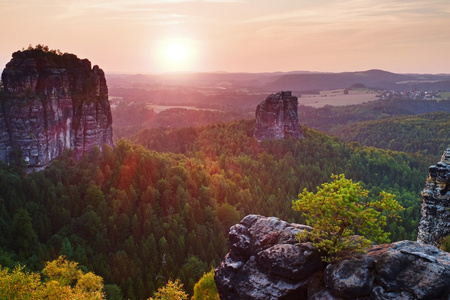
pixel 23 237
pixel 205 288
pixel 191 271
pixel 94 196
pixel 66 248
pixel 171 291
pixel 339 211
pixel 228 215
pixel 113 292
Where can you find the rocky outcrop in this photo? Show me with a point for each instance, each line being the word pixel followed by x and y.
pixel 265 261
pixel 277 117
pixel 434 223
pixel 52 102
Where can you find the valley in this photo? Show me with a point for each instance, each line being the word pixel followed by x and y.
pixel 225 150
pixel 184 166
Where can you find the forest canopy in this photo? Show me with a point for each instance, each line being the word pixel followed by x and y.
pixel 160 207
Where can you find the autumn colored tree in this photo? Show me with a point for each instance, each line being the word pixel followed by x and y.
pixel 173 290
pixel 205 288
pixel 19 284
pixel 64 280
pixel 343 219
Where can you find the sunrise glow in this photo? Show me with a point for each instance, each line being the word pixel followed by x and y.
pixel 237 35
pixel 224 149
pixel 174 55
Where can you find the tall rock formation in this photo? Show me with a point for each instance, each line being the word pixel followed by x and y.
pixel 277 117
pixel 265 261
pixel 52 102
pixel 434 222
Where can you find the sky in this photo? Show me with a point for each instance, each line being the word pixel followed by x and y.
pixel 158 36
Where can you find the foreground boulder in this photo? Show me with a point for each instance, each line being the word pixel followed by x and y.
pixel 52 102
pixel 265 261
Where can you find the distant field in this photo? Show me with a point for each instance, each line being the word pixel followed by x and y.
pixel 308 100
pixel 444 95
pixel 159 108
pixel 336 99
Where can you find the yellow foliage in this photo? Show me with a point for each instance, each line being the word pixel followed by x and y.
pixel 64 281
pixel 205 288
pixel 63 271
pixel 19 284
pixel 171 291
pixel 89 283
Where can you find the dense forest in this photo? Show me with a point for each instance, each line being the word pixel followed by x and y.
pixel 399 125
pixel 159 207
pixel 131 118
pixel 425 133
pixel 328 117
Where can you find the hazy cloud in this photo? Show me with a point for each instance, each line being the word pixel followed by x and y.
pixel 225 1
pixel 358 10
pixel 234 33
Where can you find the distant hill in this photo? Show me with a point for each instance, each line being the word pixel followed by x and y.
pixel 212 79
pixel 328 117
pixel 427 133
pixel 376 79
pixel 401 125
pixel 325 81
pixel 298 81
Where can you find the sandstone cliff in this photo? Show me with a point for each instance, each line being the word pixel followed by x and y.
pixel 265 261
pixel 434 223
pixel 277 117
pixel 52 102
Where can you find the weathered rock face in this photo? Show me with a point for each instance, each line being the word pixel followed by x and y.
pixel 52 102
pixel 266 262
pixel 434 223
pixel 277 117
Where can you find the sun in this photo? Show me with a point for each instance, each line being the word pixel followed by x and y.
pixel 176 55
pixel 176 52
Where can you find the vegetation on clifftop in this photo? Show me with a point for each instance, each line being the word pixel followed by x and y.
pixel 343 218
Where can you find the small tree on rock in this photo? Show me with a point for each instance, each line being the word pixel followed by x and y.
pixel 343 219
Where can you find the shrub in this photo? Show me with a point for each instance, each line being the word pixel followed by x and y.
pixel 338 212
